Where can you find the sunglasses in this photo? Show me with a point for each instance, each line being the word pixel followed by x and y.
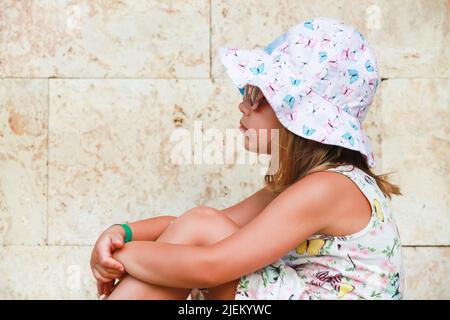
pixel 251 93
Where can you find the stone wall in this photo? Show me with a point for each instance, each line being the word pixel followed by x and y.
pixel 91 91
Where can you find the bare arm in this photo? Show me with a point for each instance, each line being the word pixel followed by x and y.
pixel 283 224
pixel 245 211
pixel 150 229
pixel 241 213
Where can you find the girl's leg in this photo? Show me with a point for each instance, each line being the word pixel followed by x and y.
pixel 198 226
pixel 134 289
pixel 130 288
pixel 204 227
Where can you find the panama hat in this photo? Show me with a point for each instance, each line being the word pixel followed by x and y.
pixel 320 78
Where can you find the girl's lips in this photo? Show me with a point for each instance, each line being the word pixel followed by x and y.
pixel 242 128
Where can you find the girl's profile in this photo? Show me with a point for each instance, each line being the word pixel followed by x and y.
pixel 320 228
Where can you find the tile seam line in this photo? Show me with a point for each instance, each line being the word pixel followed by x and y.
pixel 182 78
pixel 48 155
pixel 210 39
pixel 103 78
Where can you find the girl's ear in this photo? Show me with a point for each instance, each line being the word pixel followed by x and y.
pixel 255 106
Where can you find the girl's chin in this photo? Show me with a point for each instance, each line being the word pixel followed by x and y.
pixel 247 147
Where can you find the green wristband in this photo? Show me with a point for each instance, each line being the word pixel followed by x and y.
pixel 128 233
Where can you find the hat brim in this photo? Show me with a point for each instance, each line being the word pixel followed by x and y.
pixel 298 108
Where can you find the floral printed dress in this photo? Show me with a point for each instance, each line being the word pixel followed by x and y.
pixel 364 265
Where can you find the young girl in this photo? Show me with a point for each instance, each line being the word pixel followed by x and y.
pixel 321 228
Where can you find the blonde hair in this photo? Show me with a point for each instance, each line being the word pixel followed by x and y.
pixel 299 157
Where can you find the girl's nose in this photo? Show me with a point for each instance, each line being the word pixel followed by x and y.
pixel 244 109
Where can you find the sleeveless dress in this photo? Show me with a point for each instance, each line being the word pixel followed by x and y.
pixel 364 265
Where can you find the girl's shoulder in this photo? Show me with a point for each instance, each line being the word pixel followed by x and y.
pixel 363 201
pixel 366 183
pixel 349 176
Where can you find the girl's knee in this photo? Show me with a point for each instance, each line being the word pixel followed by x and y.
pixel 200 211
pixel 204 225
pixel 207 217
pixel 189 228
pixel 196 216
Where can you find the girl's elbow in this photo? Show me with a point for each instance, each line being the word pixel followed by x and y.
pixel 220 272
pixel 217 273
pixel 211 272
pixel 218 276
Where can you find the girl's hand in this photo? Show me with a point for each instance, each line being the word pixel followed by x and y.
pixel 105 288
pixel 104 268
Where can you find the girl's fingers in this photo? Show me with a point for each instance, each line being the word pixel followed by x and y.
pixel 106 274
pixel 99 277
pixel 120 277
pixel 116 241
pixel 105 287
pixel 108 262
pixel 105 270
pixel 99 287
pixel 109 288
pixel 110 273
pixel 113 271
pixel 103 297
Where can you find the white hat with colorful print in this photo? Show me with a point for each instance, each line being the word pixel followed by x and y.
pixel 320 78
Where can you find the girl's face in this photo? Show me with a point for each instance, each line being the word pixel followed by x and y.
pixel 256 124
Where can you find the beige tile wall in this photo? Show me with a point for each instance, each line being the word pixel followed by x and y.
pixel 90 93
